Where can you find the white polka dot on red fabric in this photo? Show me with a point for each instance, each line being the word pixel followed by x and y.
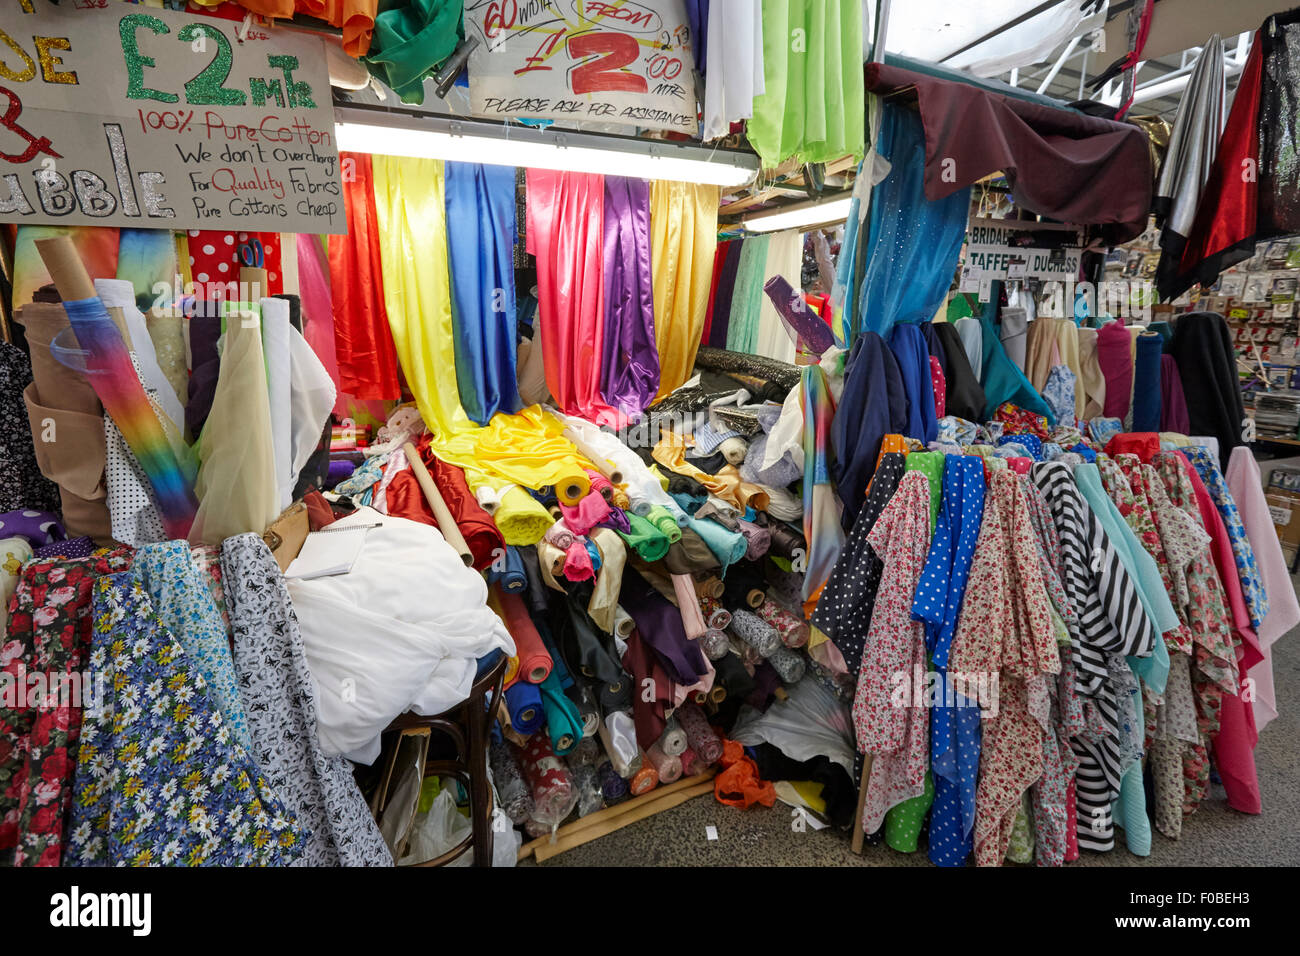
pixel 223 267
pixel 228 239
pixel 268 249
pixel 202 277
pixel 194 232
pixel 191 260
pixel 271 276
pixel 209 249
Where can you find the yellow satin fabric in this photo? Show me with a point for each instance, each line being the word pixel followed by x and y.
pixel 683 239
pixel 726 484
pixel 520 518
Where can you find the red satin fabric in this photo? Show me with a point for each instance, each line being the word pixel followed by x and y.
pixel 566 221
pixel 364 343
pixel 406 500
pixel 1142 444
pixel 1227 213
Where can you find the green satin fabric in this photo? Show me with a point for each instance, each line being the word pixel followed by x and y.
pixel 410 42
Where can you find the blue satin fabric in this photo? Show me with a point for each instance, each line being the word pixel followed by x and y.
pixel 480 253
pixel 913 243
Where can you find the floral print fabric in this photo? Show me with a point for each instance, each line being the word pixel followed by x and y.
pixel 281 700
pixel 160 777
pixel 49 636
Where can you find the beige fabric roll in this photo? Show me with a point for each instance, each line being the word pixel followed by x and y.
pixel 604 596
pixel 1050 341
pixel 1091 384
pixel 236 486
pixel 167 332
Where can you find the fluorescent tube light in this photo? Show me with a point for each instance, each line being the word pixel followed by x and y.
pixel 819 212
pixel 390 133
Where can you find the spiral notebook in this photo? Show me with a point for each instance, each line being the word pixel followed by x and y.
pixel 329 551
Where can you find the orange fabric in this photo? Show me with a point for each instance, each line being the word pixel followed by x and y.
pixel 738 784
pixel 356 18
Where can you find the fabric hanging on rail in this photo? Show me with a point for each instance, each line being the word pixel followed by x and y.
pixel 746 300
pixel 412 226
pixel 964 396
pixel 1173 403
pixel 908 345
pixel 733 49
pixel 684 235
pixel 480 252
pixel 784 260
pixel 629 365
pixel 912 243
pixel 821 517
pixel 1003 381
pixel 1115 356
pixel 565 232
pixel 1202 347
pixel 873 404
pixel 363 341
pixel 724 293
pixel 811 104
pixel 318 307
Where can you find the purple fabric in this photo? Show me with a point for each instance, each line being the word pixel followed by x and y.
pixel 65 550
pixel 660 627
pixel 204 329
pixel 1173 406
pixel 804 325
pixel 697 18
pixel 38 527
pixel 722 296
pixel 629 368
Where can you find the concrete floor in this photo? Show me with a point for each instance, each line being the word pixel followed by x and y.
pixel 1213 836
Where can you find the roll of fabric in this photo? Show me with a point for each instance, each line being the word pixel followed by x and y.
pixel 667 524
pixel 683 231
pixel 559 535
pixel 734 450
pixel 793 630
pixel 755 632
pixel 524 704
pixel 618 736
pixel 715 615
pixel 659 624
pixel 623 623
pixel 758 540
pixel 1015 326
pixel 644 780
pixel 588 712
pixel 673 740
pixel 563 722
pixel 691 763
pixel 743 588
pixel 732 675
pixel 520 518
pixel 601 485
pixel 1173 404
pixel 612 787
pixel 488 498
pixel 805 326
pixel 1115 358
pixel 702 738
pixel 714 643
pixel 1146 383
pixel 512 578
pixel 587 783
pixel 689 606
pixel 727 547
pixel 668 768
pixel 646 539
pixel 785 540
pixel 516 797
pixel 549 779
pixel 787 663
pixel 587 753
pixel 535 662
pixel 275 350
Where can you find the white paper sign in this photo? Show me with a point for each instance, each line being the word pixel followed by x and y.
pixel 623 61
pixel 990 253
pixel 125 115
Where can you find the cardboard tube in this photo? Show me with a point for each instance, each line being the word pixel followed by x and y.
pixel 255 282
pixel 441 513
pixel 66 268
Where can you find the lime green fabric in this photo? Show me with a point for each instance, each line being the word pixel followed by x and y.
pixel 930 464
pixel 410 42
pixel 812 105
pixel 904 821
pixel 645 539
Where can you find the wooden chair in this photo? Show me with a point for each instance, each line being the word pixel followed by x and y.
pixel 466 725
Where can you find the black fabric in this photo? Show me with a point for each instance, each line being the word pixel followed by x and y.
pixel 838 790
pixel 964 396
pixel 1207 364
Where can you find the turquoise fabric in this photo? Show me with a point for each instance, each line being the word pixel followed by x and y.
pixel 1002 379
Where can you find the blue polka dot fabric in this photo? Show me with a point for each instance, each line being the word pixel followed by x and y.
pixel 954 723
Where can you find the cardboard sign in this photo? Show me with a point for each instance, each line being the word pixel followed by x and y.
pixel 629 62
pixel 991 254
pixel 121 115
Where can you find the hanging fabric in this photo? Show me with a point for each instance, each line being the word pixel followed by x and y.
pixel 480 251
pixel 363 340
pixel 565 232
pixel 683 227
pixel 746 300
pixel 724 294
pixel 784 260
pixel 629 364
pixel 733 48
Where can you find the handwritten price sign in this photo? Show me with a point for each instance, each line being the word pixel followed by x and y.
pixel 116 115
pixel 619 61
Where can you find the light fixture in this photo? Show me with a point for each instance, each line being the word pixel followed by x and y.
pixel 819 212
pixel 426 136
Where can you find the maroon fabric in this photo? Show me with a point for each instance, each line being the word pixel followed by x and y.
pixel 647 674
pixel 1059 163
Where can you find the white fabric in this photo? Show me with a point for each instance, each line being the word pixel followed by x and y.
pixel 618 734
pixel 733 63
pixel 118 293
pixel 787 434
pixel 1023 45
pixel 275 347
pixel 643 489
pixel 785 259
pixel 402 631
pixel 311 398
pixel 133 515
pixel 1247 489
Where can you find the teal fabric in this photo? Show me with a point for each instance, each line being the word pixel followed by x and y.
pixel 1002 379
pixel 1130 811
pixel 1142 568
pixel 746 300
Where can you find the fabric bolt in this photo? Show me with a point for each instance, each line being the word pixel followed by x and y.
pixel 311 396
pixel 629 364
pixel 1002 379
pixel 317 298
pixel 22 485
pixel 367 359
pixel 1114 356
pixel 896 735
pixel 1147 386
pixel 131 506
pixel 1051 342
pixel 971 333
pixel 280 696
pixel 14 553
pixel 777 338
pixel 1014 333
pixel 810 106
pixel 747 298
pixel 481 238
pixel 872 405
pixel 726 282
pixel 1092 382
pixel 1173 403
pixel 964 396
pixel 822 530
pixel 1060 392
pixel 158 738
pixel 275 352
pixel 683 237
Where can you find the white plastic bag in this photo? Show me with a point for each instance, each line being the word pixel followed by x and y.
pixel 436 832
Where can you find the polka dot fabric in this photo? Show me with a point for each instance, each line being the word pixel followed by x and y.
pixel 214 257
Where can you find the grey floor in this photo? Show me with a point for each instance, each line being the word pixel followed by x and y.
pixel 1214 836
